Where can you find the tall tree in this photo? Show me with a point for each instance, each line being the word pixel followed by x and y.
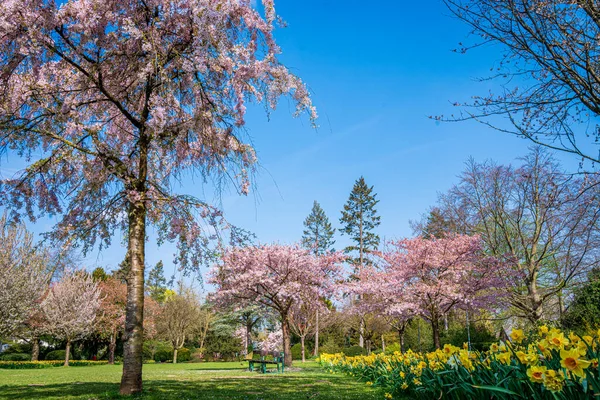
pixel 539 216
pixel 318 233
pixel 111 103
pixel 24 276
pixel 157 283
pixel 275 276
pixel 318 236
pixel 71 306
pixel 548 75
pixel 359 219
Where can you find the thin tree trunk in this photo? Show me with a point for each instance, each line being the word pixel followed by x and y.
pixel 401 337
pixel 382 344
pixel 112 346
pixel 361 339
pixel 175 355
pixel 67 353
pixel 131 381
pixel 435 327
pixel 35 349
pixel 316 352
pixel 287 348
pixel 302 347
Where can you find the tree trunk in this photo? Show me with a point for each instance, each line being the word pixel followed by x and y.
pixel 112 346
pixel 302 347
pixel 287 348
pixel 401 337
pixel 175 355
pixel 67 353
pixel 131 381
pixel 435 327
pixel 316 352
pixel 361 331
pixel 35 348
pixel 382 344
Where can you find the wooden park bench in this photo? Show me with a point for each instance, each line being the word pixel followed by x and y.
pixel 262 363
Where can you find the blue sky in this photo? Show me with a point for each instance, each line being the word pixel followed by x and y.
pixel 376 72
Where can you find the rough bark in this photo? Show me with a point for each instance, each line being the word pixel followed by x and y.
pixel 131 381
pixel 287 347
pixel 401 337
pixel 316 352
pixel 35 349
pixel 67 353
pixel 111 347
pixel 435 327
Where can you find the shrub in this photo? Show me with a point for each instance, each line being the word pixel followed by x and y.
pixel 163 354
pixel 330 347
pixel 354 351
pixel 18 348
pixel 184 355
pixel 297 351
pixel 57 355
pixel 390 349
pixel 16 357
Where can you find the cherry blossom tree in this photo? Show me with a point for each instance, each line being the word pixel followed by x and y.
pixel 111 314
pixel 71 306
pixel 276 276
pixel 24 276
pixel 444 273
pixel 111 103
pixel 385 293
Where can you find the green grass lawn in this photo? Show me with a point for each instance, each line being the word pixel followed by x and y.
pixel 183 381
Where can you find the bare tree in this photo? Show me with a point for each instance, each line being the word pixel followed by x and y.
pixel 549 71
pixel 181 317
pixel 71 306
pixel 537 216
pixel 23 276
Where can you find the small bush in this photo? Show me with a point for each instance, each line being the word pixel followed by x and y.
pixel 184 355
pixel 163 354
pixel 330 347
pixel 389 349
pixel 57 355
pixel 16 357
pixel 297 351
pixel 354 351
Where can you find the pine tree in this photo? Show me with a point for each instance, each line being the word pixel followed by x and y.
pixel 359 218
pixel 156 283
pixel 318 234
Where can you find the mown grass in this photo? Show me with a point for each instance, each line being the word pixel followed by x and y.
pixel 184 381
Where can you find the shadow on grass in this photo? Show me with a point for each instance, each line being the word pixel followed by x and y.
pixel 253 388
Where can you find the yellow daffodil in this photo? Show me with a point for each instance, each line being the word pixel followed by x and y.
pixel 536 374
pixel 542 330
pixel 388 396
pixel 517 335
pixel 570 360
pixel 553 380
pixel 404 386
pixel 556 339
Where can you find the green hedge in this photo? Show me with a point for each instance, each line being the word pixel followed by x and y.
pixel 354 351
pixel 15 357
pixel 46 364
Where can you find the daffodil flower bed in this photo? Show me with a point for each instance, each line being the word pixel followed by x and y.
pixel 545 365
pixel 47 364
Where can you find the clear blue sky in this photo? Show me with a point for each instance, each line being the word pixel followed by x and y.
pixel 376 72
